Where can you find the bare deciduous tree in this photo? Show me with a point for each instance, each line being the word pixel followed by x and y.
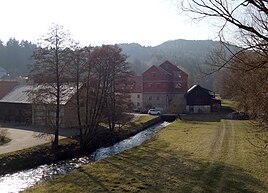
pixel 78 60
pixel 107 69
pixel 243 22
pixel 49 72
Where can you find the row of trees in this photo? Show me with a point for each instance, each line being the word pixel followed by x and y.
pixel 97 73
pixel 249 88
pixel 15 56
pixel 245 77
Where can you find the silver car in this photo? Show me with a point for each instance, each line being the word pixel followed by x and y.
pixel 154 112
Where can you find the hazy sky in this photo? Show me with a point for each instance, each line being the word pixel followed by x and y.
pixel 96 22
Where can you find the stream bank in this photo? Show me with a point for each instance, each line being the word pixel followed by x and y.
pixel 69 148
pixel 22 180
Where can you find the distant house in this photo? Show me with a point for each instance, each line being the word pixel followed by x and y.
pixel 201 100
pixel 6 87
pixel 18 106
pixel 134 88
pixel 164 87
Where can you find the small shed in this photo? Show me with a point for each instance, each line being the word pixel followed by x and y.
pixel 201 100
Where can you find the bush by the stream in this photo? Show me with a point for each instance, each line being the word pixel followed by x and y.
pixel 3 134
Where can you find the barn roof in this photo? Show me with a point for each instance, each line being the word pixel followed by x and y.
pixel 198 86
pixel 17 95
pixel 21 94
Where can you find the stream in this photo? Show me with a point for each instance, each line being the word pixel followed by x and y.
pixel 22 180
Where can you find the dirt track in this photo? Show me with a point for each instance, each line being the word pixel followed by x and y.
pixel 222 148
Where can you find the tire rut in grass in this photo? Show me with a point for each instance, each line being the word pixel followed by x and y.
pixel 230 154
pixel 223 150
pixel 214 154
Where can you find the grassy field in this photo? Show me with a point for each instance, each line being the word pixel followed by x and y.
pixel 202 153
pixel 137 122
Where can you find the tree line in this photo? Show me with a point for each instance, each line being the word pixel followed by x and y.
pixel 98 74
pixel 15 56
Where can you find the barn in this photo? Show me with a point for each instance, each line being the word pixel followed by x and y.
pixel 201 100
pixel 18 107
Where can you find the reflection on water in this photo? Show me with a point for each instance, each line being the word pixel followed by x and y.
pixel 131 142
pixel 24 179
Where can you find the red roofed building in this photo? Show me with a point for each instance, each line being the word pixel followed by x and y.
pixel 164 88
pixel 6 87
pixel 135 90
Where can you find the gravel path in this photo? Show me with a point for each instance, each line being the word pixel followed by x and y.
pixel 24 137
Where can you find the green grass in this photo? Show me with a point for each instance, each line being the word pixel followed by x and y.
pixel 136 123
pixel 199 154
pixel 144 118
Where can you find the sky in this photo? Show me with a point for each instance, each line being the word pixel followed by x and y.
pixel 97 22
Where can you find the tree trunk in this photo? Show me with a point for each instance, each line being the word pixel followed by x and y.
pixel 56 139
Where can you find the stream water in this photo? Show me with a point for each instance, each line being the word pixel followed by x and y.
pixel 22 180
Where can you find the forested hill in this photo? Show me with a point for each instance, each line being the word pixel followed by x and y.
pixel 188 54
pixel 15 56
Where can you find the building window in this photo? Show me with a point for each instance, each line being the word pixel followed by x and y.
pixel 138 104
pixel 157 85
pixel 150 98
pixel 150 85
pixel 158 98
pixel 154 74
pixel 178 85
pixel 138 96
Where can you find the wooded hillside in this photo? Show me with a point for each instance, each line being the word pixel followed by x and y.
pixel 190 55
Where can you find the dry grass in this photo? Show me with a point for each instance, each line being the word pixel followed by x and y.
pixel 199 154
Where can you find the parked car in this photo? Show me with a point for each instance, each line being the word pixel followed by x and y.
pixel 154 112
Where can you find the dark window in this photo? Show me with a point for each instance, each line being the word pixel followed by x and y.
pixel 138 96
pixel 154 74
pixel 150 98
pixel 138 104
pixel 158 98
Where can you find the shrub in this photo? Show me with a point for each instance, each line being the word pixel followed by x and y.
pixel 3 134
